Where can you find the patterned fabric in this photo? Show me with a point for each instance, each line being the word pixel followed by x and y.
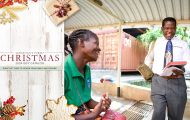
pixel 168 53
pixel 112 115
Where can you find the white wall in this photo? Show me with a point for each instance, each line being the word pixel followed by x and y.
pixel 32 32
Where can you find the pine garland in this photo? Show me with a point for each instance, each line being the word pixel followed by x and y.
pixel 8 111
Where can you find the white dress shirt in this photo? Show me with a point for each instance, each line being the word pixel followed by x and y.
pixel 181 52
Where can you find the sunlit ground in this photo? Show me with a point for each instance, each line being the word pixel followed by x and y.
pixel 131 108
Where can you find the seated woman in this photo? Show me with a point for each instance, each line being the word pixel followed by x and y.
pixel 77 76
pixel 66 51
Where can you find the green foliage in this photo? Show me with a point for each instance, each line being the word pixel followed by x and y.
pixel 141 83
pixel 152 34
pixel 184 34
pixel 149 36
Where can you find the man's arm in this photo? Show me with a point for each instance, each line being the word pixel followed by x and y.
pixel 186 57
pixel 150 55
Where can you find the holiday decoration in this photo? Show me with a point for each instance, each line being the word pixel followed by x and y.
pixel 59 110
pixel 4 3
pixel 8 111
pixel 8 15
pixel 59 10
pixel 8 9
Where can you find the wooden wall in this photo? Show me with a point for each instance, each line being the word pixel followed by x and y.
pixel 32 32
pixel 133 53
pixel 108 43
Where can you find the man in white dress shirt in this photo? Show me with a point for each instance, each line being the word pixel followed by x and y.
pixel 168 92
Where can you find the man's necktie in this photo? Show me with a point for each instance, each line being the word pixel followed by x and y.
pixel 168 53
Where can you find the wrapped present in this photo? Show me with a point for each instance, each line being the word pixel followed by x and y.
pixel 60 10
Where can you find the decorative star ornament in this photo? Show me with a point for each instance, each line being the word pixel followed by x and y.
pixel 59 110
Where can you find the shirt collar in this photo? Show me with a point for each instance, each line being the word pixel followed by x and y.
pixel 74 70
pixel 174 38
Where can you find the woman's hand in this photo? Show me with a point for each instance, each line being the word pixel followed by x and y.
pixel 98 108
pixel 106 101
pixel 92 115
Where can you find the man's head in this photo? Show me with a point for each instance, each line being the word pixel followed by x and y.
pixel 169 27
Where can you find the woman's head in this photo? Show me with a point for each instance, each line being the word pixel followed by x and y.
pixel 66 41
pixel 169 27
pixel 86 42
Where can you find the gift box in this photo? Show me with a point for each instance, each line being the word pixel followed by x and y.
pixel 60 10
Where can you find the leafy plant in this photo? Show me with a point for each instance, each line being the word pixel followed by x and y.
pixel 141 83
pixel 149 36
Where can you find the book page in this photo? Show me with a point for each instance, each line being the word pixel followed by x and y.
pixel 169 71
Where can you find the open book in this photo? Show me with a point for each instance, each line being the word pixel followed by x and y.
pixel 178 64
pixel 170 67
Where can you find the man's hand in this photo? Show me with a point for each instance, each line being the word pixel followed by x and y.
pixel 178 72
pixel 172 73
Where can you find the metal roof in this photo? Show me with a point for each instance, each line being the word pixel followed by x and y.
pixel 107 12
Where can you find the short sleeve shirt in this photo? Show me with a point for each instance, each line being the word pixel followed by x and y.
pixel 77 87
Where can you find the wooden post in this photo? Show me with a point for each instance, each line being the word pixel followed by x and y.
pixel 119 60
